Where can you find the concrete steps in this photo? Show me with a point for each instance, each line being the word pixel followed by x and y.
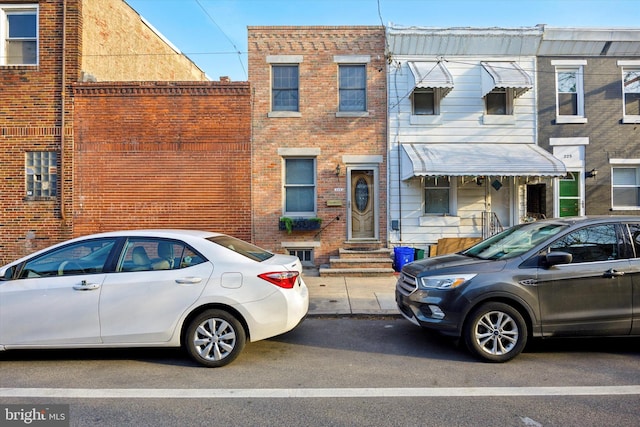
pixel 361 262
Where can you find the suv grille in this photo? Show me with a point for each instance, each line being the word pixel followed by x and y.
pixel 406 284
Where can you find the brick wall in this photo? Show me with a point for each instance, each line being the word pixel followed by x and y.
pixel 318 127
pixel 118 45
pixel 608 136
pixel 31 120
pixel 168 155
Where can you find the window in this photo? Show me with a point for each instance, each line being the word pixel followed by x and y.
pixel 631 88
pixel 285 88
pixel 590 244
pixel 625 187
pixel 436 195
pixel 353 87
pixel 19 27
pixel 499 102
pixel 41 169
pixel 424 102
pixel 300 187
pixel 86 257
pixel 305 256
pixel 569 92
pixel 157 254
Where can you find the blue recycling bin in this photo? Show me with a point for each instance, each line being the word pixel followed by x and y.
pixel 401 256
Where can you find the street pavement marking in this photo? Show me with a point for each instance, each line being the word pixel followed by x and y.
pixel 275 393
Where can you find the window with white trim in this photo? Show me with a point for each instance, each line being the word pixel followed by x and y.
pixel 352 87
pixel 305 255
pixel 569 92
pixel 19 29
pixel 631 91
pixel 436 195
pixel 299 187
pixel 625 187
pixel 41 174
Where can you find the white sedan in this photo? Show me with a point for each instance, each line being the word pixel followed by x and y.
pixel 204 291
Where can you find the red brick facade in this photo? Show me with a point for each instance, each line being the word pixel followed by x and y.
pixel 333 139
pixel 169 155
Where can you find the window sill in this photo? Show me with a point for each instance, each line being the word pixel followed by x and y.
pixel 40 198
pixel 284 114
pixel 625 208
pixel 570 119
pixel 352 114
pixel 490 119
pixel 631 119
pixel 427 120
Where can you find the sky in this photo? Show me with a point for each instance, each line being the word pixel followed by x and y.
pixel 213 33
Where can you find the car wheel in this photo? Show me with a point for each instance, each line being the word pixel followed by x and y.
pixel 495 332
pixel 215 338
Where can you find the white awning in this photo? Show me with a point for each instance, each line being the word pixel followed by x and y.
pixel 431 75
pixel 505 75
pixel 462 159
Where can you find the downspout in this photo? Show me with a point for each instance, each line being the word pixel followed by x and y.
pixel 63 74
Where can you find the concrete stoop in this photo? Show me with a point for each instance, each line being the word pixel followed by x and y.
pixel 360 263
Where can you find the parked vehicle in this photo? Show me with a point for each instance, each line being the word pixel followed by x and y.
pixel 550 278
pixel 207 292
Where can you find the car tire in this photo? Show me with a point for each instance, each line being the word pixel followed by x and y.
pixel 495 332
pixel 214 338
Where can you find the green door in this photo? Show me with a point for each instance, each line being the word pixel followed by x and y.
pixel 570 194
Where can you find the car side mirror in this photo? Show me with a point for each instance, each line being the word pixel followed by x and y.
pixel 555 258
pixel 7 273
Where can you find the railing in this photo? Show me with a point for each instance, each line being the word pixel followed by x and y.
pixel 490 224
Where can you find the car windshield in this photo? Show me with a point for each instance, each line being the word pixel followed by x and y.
pixel 243 248
pixel 514 241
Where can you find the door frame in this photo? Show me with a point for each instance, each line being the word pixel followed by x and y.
pixel 375 197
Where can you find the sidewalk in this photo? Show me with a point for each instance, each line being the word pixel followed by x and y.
pixel 351 295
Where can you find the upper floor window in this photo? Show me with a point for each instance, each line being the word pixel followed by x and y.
pixel 285 88
pixel 625 186
pixel 41 174
pixel 569 92
pixel 431 82
pixel 631 92
pixel 353 87
pixel 499 102
pixel 436 195
pixel 425 103
pixel 19 28
pixel 299 187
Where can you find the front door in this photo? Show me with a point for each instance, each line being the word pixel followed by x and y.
pixel 362 203
pixel 569 197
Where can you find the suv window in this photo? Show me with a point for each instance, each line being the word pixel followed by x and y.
pixel 590 244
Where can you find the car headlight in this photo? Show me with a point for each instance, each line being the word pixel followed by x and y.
pixel 444 282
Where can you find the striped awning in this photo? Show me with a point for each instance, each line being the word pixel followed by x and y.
pixel 478 160
pixel 505 74
pixel 431 75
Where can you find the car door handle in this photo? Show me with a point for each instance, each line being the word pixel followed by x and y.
pixel 84 286
pixel 189 280
pixel 613 273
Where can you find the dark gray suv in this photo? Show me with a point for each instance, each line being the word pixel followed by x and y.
pixel 549 278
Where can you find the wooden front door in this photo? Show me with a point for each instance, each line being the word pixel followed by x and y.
pixel 363 206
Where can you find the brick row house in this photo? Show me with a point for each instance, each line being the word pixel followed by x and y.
pixel 106 125
pixel 319 140
pixel 346 140
pixel 589 117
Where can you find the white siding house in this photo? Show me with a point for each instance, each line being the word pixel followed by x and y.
pixel 462 138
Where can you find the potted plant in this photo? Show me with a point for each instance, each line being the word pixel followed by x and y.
pixel 299 224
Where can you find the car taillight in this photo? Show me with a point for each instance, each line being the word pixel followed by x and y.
pixel 284 279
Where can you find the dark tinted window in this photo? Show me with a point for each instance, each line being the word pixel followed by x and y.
pixel 590 244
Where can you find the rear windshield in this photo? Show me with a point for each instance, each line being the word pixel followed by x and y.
pixel 514 241
pixel 243 248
